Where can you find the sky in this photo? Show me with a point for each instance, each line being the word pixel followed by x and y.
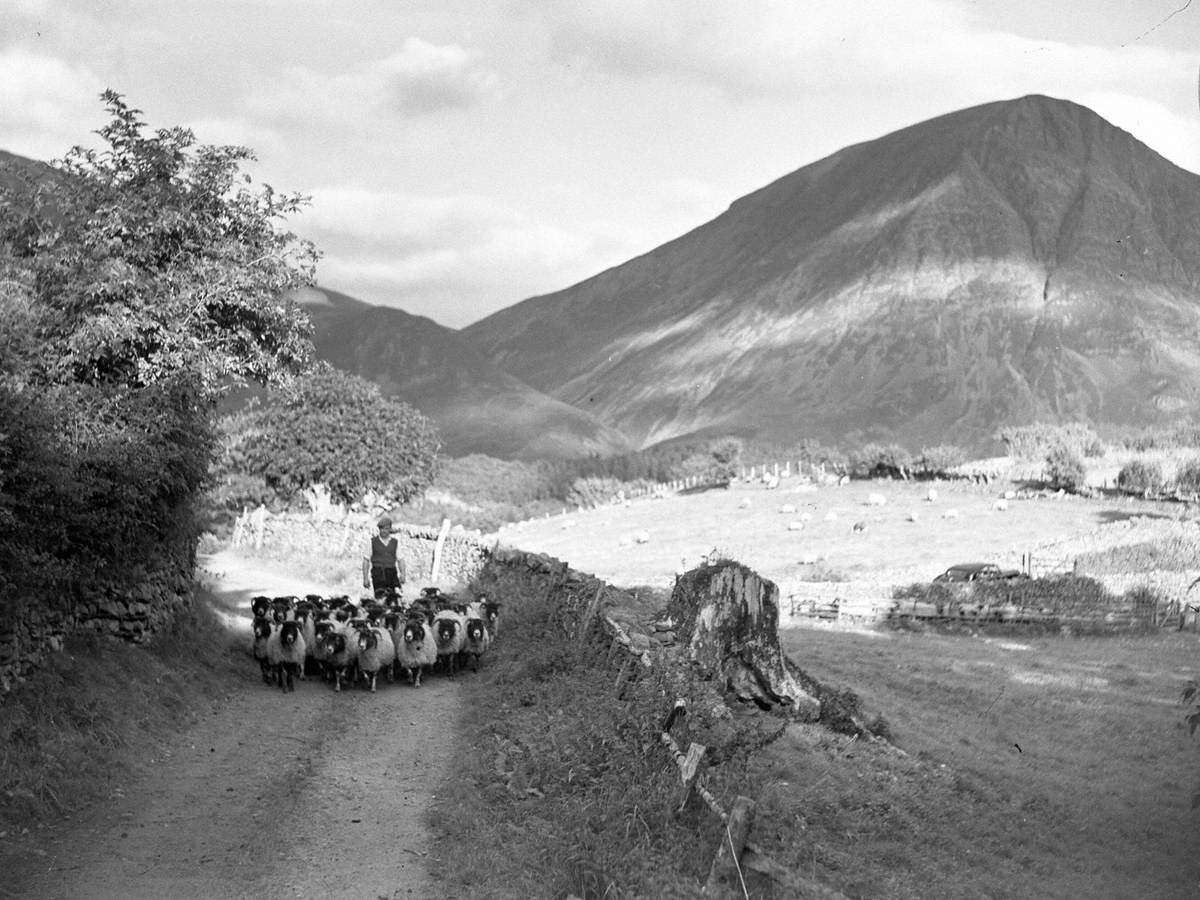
pixel 463 156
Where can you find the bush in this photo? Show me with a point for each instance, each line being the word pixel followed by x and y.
pixel 941 460
pixel 1140 477
pixel 1064 469
pixel 881 461
pixel 1187 479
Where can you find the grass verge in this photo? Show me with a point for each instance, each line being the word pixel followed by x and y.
pixel 70 735
pixel 561 786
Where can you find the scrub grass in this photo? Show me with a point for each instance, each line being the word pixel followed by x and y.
pixel 101 707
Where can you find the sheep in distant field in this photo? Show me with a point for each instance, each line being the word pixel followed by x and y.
pixel 787 509
pixel 931 495
pixel 449 629
pixel 476 641
pixel 262 633
pixel 285 649
pixel 341 656
pixel 795 526
pixel 874 499
pixel 416 649
pixel 950 514
pixel 1000 505
pixel 858 527
pixel 375 651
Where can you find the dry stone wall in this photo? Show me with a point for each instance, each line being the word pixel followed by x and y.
pixel 131 611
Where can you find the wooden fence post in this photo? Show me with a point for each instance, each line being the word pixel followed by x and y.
pixel 437 549
pixel 725 877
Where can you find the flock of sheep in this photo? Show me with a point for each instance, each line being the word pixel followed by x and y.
pixel 349 644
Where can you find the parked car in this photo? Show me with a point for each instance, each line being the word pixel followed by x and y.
pixel 979 571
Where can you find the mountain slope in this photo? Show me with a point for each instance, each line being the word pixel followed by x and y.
pixel 1017 261
pixel 477 407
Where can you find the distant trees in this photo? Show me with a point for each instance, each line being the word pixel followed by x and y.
pixel 335 429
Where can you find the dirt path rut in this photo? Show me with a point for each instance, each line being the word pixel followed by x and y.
pixel 307 794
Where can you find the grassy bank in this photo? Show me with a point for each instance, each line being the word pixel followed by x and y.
pixel 561 786
pixel 101 708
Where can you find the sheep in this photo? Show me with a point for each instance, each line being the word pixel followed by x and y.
pixel 375 651
pixel 262 634
pixel 476 641
pixel 858 527
pixel 260 606
pixel 874 499
pixel 308 627
pixel 1000 505
pixel 416 649
pixel 285 649
pixel 284 608
pixel 449 632
pixel 321 648
pixel 341 651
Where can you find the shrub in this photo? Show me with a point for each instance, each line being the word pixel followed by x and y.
pixel 881 461
pixel 1187 479
pixel 942 459
pixel 1064 469
pixel 1140 477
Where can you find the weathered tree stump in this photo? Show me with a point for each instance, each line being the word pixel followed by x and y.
pixel 727 618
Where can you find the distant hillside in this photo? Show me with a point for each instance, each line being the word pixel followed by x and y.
pixel 1014 262
pixel 478 408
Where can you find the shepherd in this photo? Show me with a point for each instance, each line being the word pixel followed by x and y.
pixel 383 571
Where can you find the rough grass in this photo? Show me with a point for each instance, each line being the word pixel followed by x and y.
pixel 1046 768
pixel 102 707
pixel 561 786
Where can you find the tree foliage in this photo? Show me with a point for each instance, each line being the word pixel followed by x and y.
pixel 153 259
pixel 1065 469
pixel 136 281
pixel 336 429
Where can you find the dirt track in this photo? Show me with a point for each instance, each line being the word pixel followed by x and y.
pixel 273 796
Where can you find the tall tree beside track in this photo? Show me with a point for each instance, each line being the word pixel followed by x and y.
pixel 137 281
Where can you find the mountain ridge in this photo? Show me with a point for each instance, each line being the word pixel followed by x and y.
pixel 1025 250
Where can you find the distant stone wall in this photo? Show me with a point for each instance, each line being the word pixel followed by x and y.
pixel 41 625
pixel 342 542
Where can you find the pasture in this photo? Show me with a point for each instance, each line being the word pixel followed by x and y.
pixel 1032 766
pixel 908 538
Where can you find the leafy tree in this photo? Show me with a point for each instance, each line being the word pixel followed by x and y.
pixel 336 429
pixel 153 259
pixel 1139 476
pixel 1065 469
pixel 1187 478
pixel 136 281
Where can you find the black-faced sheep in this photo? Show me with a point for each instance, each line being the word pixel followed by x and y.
pixel 375 651
pixel 449 630
pixel 476 641
pixel 260 606
pixel 416 648
pixel 341 655
pixel 262 634
pixel 285 649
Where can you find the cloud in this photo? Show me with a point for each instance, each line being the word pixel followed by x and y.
pixel 418 80
pixel 1174 136
pixel 454 258
pixel 46 105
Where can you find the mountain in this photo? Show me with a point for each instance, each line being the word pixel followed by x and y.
pixel 477 407
pixel 1014 262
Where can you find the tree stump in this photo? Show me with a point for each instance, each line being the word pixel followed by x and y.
pixel 727 618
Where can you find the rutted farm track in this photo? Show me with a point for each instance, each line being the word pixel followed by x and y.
pixel 272 796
